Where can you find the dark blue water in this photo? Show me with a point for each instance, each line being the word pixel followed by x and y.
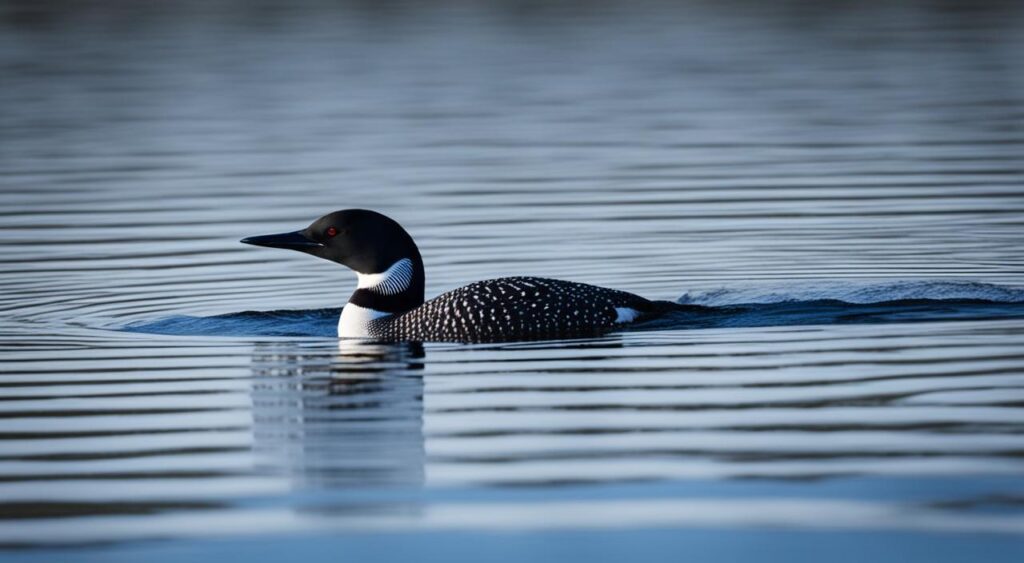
pixel 833 192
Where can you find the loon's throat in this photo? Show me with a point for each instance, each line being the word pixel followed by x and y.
pixel 393 291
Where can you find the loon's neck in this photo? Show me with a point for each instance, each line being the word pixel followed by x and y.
pixel 394 291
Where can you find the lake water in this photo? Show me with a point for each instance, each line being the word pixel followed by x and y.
pixel 842 182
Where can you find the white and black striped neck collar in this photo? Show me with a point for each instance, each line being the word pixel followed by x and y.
pixel 392 281
pixel 397 289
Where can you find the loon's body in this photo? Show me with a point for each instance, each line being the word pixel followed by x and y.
pixel 503 309
pixel 388 303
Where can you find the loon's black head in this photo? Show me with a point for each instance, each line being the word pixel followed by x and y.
pixel 363 240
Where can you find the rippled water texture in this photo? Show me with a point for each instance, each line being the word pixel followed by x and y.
pixel 842 184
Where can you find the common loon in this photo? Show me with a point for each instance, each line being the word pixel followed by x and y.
pixel 388 304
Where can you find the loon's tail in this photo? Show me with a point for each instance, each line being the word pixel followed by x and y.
pixel 669 314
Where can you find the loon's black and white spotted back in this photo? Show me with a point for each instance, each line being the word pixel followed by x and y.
pixel 388 303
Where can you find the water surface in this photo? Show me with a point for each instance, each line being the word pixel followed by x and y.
pixel 843 184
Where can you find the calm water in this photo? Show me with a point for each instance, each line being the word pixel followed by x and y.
pixel 843 183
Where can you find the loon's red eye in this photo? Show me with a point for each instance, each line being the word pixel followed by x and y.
pixel 331 231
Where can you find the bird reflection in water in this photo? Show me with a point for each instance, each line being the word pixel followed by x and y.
pixel 340 418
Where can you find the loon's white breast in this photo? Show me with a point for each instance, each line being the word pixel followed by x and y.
pixel 355 321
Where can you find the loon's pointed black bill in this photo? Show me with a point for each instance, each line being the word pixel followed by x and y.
pixel 293 241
